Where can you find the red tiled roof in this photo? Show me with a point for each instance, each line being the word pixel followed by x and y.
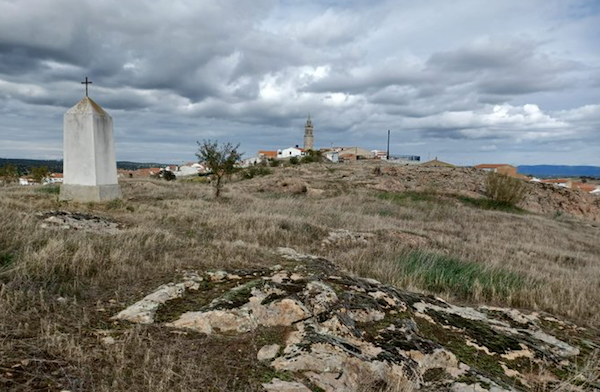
pixel 268 154
pixel 147 172
pixel 585 187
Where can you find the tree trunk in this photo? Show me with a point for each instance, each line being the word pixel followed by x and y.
pixel 218 187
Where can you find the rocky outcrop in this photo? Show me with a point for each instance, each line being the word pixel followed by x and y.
pixel 540 198
pixel 78 221
pixel 345 331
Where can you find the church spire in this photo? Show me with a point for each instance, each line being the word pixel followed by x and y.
pixel 309 138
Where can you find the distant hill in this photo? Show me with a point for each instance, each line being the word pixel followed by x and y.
pixel 57 166
pixel 560 171
pixel 137 165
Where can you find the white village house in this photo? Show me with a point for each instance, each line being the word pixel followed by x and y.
pixel 54 178
pixel 251 161
pixel 290 152
pixel 27 181
pixel 332 156
pixel 189 169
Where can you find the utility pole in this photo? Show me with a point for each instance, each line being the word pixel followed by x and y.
pixel 388 147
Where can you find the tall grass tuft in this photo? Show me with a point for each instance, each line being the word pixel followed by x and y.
pixel 439 273
pixel 504 189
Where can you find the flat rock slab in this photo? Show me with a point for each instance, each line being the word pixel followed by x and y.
pixel 78 221
pixel 346 333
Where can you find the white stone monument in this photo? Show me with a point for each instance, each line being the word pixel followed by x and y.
pixel 89 166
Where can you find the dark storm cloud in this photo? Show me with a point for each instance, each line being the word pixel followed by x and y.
pixel 172 72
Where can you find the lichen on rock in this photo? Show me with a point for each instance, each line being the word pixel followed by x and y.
pixel 343 330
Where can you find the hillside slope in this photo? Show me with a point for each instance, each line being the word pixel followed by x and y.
pixel 63 277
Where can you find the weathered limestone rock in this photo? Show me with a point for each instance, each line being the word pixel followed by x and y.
pixel 78 221
pixel 276 385
pixel 268 352
pixel 143 311
pixel 345 333
pixel 90 166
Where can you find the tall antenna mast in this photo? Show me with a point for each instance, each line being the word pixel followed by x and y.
pixel 388 147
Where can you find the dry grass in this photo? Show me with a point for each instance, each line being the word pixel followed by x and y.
pixel 59 288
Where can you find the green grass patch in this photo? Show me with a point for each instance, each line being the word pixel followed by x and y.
pixel 49 189
pixel 414 197
pixel 489 204
pixel 439 273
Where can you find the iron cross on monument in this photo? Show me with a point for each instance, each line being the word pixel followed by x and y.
pixel 86 85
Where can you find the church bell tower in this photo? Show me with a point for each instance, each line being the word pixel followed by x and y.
pixel 309 139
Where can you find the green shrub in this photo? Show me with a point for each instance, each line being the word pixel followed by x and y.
pixel 254 171
pixel 169 175
pixel 439 273
pixel 504 189
pixel 274 162
pixel 294 161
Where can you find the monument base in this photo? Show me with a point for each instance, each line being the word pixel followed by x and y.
pixel 90 193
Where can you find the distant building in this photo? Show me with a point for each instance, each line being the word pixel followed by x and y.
pixel 189 169
pixel 332 156
pixel 436 163
pixel 560 182
pixel 567 183
pixel 379 154
pixel 406 158
pixel 267 154
pixel 499 168
pixel 27 181
pixel 54 178
pixel 584 186
pixel 353 153
pixel 290 152
pixel 139 173
pixel 309 138
pixel 251 161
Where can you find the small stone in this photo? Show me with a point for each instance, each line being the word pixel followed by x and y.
pixel 268 352
pixel 279 277
pixel 108 340
pixel 61 300
pixel 217 276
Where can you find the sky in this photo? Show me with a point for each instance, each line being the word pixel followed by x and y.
pixel 466 81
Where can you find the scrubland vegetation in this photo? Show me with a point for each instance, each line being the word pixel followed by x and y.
pixel 59 288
